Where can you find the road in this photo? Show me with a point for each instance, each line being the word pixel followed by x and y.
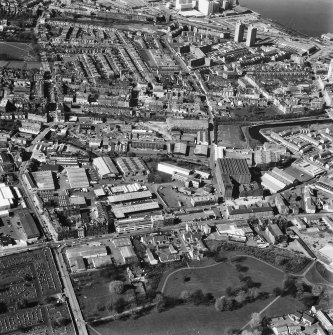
pixel 69 292
pixel 263 310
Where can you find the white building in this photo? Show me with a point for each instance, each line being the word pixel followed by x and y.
pixel 251 36
pixel 172 169
pixel 105 167
pixel 206 7
pixel 330 72
pixel 184 5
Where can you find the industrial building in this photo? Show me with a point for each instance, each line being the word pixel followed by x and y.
pixel 277 180
pixel 29 226
pixel 131 166
pixel 203 137
pixel 148 145
pixel 77 178
pixel 225 186
pixel 6 197
pixel 133 224
pixel 172 169
pixel 180 148
pixel 42 180
pixel 252 190
pixel 237 169
pixel 120 211
pixel 203 200
pixel 132 196
pixel 274 234
pixel 201 150
pixel 229 170
pixel 95 254
pixel 249 212
pixel 105 167
pixel 128 254
pixel 304 166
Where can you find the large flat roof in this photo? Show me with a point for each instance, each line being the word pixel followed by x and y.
pixel 105 166
pixel 44 180
pixel 129 196
pixel 29 225
pixel 120 210
pixel 77 177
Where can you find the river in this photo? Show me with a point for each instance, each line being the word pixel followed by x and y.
pixel 310 17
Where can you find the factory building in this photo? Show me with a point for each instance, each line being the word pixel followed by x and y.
pixel 29 226
pixel 203 200
pixel 127 197
pixel 133 224
pixel 148 145
pixel 203 137
pixel 77 178
pixel 237 169
pixel 120 211
pixel 228 171
pixel 250 212
pixel 105 167
pixel 131 166
pixel 41 180
pixel 277 180
pixel 180 148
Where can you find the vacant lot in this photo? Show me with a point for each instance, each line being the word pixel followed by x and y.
pixel 231 136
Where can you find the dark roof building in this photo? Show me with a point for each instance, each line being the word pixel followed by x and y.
pixel 29 225
pixel 229 170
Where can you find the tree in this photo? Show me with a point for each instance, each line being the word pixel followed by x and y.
pixel 277 291
pixel 185 295
pixel 220 304
pixel 241 297
pixel 120 305
pixel 253 293
pixel 255 320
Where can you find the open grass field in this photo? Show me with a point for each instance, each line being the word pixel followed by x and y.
pixel 18 51
pixel 190 319
pixel 95 297
pixel 217 278
pixel 315 277
pixel 183 320
pixel 231 136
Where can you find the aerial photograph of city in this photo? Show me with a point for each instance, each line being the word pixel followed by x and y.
pixel 166 167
